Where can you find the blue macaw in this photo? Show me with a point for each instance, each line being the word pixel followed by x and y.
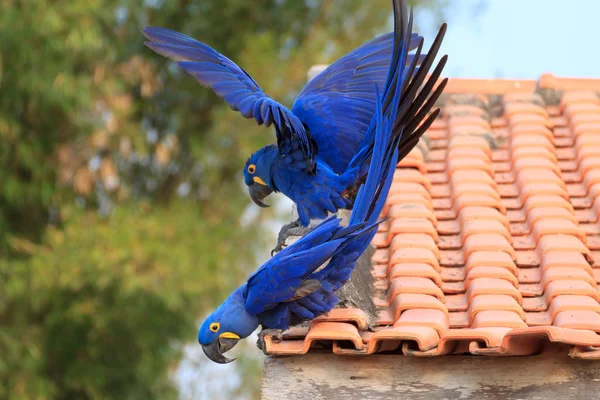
pixel 323 143
pixel 291 287
pixel 287 288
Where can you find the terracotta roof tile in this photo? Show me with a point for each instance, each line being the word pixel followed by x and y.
pixel 493 233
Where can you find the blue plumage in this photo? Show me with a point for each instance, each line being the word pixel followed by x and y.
pixel 324 143
pixel 299 282
pixel 288 287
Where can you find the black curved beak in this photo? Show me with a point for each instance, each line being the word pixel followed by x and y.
pixel 258 192
pixel 215 350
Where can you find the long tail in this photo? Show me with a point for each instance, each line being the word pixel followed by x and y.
pixel 373 193
pixel 369 203
pixel 416 99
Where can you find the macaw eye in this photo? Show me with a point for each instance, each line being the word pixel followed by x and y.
pixel 251 168
pixel 214 327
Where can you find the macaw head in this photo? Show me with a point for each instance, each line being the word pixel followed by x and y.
pixel 229 323
pixel 257 174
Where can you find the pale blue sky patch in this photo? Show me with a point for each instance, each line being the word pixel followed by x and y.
pixel 520 39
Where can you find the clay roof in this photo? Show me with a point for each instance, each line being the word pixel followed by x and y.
pixel 493 240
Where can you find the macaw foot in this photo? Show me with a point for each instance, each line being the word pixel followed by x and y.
pixel 294 228
pixel 276 334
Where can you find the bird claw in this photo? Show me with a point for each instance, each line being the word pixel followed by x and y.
pixel 280 246
pixel 275 334
pixel 294 228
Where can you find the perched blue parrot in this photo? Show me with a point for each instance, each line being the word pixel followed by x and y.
pixel 324 141
pixel 291 287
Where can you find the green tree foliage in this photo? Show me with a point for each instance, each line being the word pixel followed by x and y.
pixel 120 189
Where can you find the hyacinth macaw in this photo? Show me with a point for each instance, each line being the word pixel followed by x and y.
pixel 291 287
pixel 286 289
pixel 322 142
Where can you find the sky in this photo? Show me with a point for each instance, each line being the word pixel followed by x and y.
pixel 520 38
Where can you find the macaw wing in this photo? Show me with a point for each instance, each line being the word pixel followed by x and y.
pixel 338 104
pixel 234 85
pixel 283 277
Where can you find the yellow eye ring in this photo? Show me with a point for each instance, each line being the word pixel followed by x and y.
pixel 251 168
pixel 214 327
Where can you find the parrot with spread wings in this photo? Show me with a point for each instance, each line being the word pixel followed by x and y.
pixel 324 142
pixel 299 282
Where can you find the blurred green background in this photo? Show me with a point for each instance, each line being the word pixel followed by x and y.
pixel 123 217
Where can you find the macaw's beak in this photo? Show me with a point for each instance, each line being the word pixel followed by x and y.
pixel 215 350
pixel 258 191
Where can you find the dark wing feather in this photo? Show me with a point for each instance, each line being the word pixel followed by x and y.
pixel 338 104
pixel 418 95
pixel 230 82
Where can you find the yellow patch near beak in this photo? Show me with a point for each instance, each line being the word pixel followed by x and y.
pixel 259 181
pixel 228 335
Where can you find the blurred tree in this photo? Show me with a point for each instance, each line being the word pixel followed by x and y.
pixel 120 180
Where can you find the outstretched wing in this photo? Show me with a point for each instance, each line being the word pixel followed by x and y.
pixel 233 84
pixel 338 104
pixel 418 95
